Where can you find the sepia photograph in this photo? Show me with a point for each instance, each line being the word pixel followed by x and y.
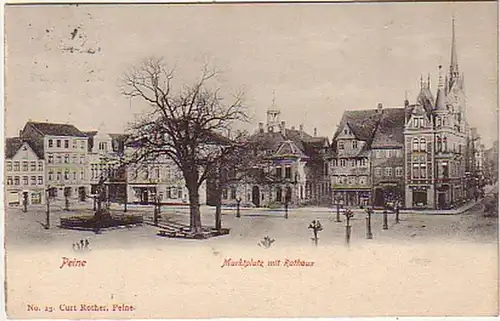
pixel 232 160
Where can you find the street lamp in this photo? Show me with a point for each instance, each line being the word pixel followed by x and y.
pixel 238 202
pixel 348 215
pixel 338 199
pixel 369 213
pixel 47 211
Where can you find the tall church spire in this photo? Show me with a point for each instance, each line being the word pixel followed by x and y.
pixel 454 73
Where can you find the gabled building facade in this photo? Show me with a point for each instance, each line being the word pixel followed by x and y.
pixel 387 155
pixel 291 168
pixel 24 172
pixel 437 143
pixel 350 163
pixel 65 153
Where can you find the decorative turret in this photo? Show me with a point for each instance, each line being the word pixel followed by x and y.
pixel 273 117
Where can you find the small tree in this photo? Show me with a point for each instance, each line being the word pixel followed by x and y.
pixel 181 124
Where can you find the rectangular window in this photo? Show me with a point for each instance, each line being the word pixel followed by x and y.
pixel 66 175
pixel 40 180
pixel 66 143
pixel 8 166
pixel 16 180
pixel 51 173
pixel 335 163
pixel 74 143
pixel 341 145
pixel 342 163
pixel 354 144
pixel 59 159
pixel 58 143
pixel 25 166
pixel 82 144
pixel 40 166
pixel 378 172
pixel 9 180
pixel 33 166
pixel 58 176
pixel 16 167
pixel 388 171
pixel 82 175
pixel 25 180
pixel 179 193
pixel 74 176
pixel 66 159
pixel 362 180
pixel 233 193
pixel 416 171
pixel 415 144
pixel 82 159
pixel 288 172
pixel 399 171
pixel 33 180
pixel 423 172
pixel 51 159
pixel 51 143
pixel 279 172
pixel 353 163
pixel 415 122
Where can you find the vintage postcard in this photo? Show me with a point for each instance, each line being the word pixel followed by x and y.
pixel 251 160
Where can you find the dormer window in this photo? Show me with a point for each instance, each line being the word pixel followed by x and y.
pixel 341 145
pixel 354 144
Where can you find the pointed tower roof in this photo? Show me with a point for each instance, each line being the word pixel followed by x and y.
pixel 454 58
pixel 441 94
pixel 454 72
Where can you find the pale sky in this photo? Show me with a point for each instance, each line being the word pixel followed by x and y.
pixel 320 59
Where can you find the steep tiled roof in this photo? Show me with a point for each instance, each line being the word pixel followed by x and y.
pixel 361 122
pixel 426 99
pixel 389 132
pixel 56 129
pixel 12 145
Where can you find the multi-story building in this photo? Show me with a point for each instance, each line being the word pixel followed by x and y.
pixel 65 152
pixel 437 143
pixel 105 156
pixel 290 167
pixel 350 163
pixel 387 156
pixel 24 172
pixel 161 179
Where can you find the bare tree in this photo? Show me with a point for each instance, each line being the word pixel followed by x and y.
pixel 184 125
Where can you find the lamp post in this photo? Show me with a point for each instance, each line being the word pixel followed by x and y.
pixel 369 234
pixel 337 203
pixel 396 210
pixel 348 215
pixel 287 199
pixel 47 211
pixel 385 226
pixel 238 202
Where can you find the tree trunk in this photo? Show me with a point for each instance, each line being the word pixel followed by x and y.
pixel 194 209
pixel 218 211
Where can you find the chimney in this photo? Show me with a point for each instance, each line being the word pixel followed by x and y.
pixel 20 133
pixel 407 103
pixel 261 127
pixel 315 132
pixel 293 127
pixel 282 127
pixel 301 127
pixel 379 107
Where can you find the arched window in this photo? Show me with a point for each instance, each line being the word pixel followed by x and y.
pixel 415 144
pixel 422 144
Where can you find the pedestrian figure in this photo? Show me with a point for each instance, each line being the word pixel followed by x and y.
pixel 87 243
pixel 81 244
pixel 74 247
